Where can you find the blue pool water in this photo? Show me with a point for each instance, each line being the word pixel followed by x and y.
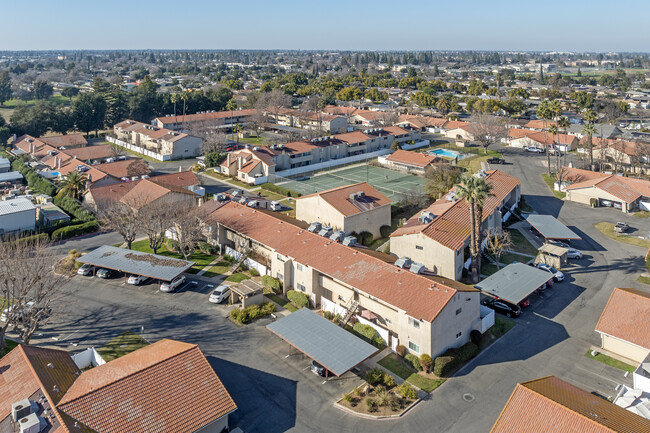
pixel 448 153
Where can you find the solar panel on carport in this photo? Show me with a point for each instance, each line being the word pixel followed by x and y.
pixel 514 283
pixel 326 343
pixel 136 262
pixel 550 227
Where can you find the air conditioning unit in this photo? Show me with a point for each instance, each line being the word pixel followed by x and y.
pixel 403 262
pixel 417 268
pixel 350 241
pixel 21 409
pixel 353 196
pixel 31 424
pixel 361 194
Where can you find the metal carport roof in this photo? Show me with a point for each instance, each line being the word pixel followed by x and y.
pixel 136 262
pixel 326 343
pixel 514 282
pixel 550 227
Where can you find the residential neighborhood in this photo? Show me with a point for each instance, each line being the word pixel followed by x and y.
pixel 440 228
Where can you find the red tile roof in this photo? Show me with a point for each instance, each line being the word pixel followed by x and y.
pixel 626 189
pixel 117 169
pixel 339 198
pixel 514 133
pixel 539 124
pixel 453 124
pixel 412 158
pixel 181 179
pixel 206 116
pixel 167 386
pixel 65 140
pixel 451 225
pixel 422 121
pixel 551 405
pixel 101 151
pixel 418 296
pixel 627 317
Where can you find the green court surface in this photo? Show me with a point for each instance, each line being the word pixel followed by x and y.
pixel 389 182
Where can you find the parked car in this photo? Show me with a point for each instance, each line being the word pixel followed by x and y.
pixel 8 312
pixel 243 200
pixel 524 303
pixel 557 275
pixel 553 150
pixel 107 273
pixel 253 203
pixel 318 369
pixel 275 206
pixel 534 149
pixel 621 227
pixel 220 294
pixel 85 269
pixel 136 280
pixel 558 243
pixel 237 193
pixel 502 307
pixel 496 160
pixel 170 286
pixel 574 253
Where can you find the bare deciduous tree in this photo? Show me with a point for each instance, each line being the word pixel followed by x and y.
pixel 155 219
pixel 274 101
pixel 388 118
pixel 497 241
pixel 441 178
pixel 414 197
pixel 120 217
pixel 117 151
pixel 138 167
pixel 487 130
pixel 188 232
pixel 28 286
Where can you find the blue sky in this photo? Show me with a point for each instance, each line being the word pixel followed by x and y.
pixel 568 25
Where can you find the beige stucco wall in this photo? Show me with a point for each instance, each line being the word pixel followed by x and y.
pixel 452 133
pixel 623 348
pixel 584 196
pixel 435 256
pixel 448 324
pixel 311 209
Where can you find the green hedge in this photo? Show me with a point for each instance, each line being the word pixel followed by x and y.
pixel 385 231
pixel 280 190
pixel 364 238
pixel 208 249
pixel 75 230
pixel 414 361
pixel 369 332
pixel 253 312
pixel 73 208
pixel 272 283
pixel 454 358
pixel 44 237
pixel 36 182
pixel 299 299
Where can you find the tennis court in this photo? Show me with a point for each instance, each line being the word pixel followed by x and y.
pixel 389 182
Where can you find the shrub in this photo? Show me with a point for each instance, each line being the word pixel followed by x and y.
pixel 385 231
pixel 375 376
pixel 254 272
pixel 358 392
pixel 252 312
pixel 206 248
pixel 389 381
pixel 347 397
pixel 328 315
pixel 280 190
pixel 453 358
pixel 172 245
pixel 368 332
pixel 443 364
pixel 426 362
pixel 337 318
pixel 401 350
pixel 407 391
pixel 267 308
pixel 72 207
pixel 372 405
pixel 299 299
pixel 75 230
pixel 365 238
pixel 229 258
pixel 414 361
pixel 41 237
pixel 593 202
pixel 272 283
pixel 475 336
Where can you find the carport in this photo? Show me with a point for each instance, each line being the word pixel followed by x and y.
pixel 514 283
pixel 248 291
pixel 321 340
pixel 550 228
pixel 136 262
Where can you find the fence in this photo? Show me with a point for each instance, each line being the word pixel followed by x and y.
pixel 331 163
pixel 87 358
pixel 138 149
pixel 487 318
pixel 250 263
pixel 416 145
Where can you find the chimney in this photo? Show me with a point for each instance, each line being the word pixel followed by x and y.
pixel 180 169
pixel 31 147
pixel 59 162
pixel 229 159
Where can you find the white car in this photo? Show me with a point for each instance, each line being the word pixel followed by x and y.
pixel 557 275
pixel 534 149
pixel 85 269
pixel 170 286
pixel 7 313
pixel 574 254
pixel 136 280
pixel 220 294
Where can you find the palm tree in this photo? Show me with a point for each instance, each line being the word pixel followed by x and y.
pixel 589 130
pixel 185 95
pixel 174 100
pixel 474 190
pixel 553 130
pixel 544 113
pixel 443 105
pixel 73 185
pixel 237 129
pixel 564 124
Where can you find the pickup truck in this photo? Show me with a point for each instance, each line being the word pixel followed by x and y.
pixel 496 160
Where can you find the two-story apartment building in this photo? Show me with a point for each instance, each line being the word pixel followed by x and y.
pixel 351 208
pixel 423 314
pixel 319 121
pixel 224 120
pixel 438 237
pixel 164 142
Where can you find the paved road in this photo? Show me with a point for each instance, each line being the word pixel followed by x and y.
pixel 277 394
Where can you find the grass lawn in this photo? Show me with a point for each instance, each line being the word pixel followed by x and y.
pixel 280 300
pixel 507 258
pixel 488 268
pixel 218 269
pixel 394 363
pixel 611 361
pixel 608 230
pixel 501 326
pixel 642 214
pixel 270 195
pixel 227 179
pixel 238 183
pixel 253 140
pixel 133 153
pixel 521 244
pixel 550 181
pixel 238 277
pixel 201 259
pixel 10 344
pixel 473 163
pixel 644 280
pixel 124 343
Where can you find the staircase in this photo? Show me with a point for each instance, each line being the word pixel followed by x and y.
pixel 351 308
pixel 240 260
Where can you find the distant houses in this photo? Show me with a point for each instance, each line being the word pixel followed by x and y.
pixel 160 143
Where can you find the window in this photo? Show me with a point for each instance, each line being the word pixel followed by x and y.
pixel 301 288
pixel 414 322
pixel 279 276
pixel 458 335
pixel 299 266
pixel 419 247
pixel 414 347
pixel 388 321
pixel 459 311
pixel 341 298
pixel 280 258
pixel 327 294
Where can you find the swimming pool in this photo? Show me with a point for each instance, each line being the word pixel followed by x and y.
pixel 448 153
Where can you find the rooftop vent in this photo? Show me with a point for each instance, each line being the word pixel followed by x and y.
pixel 361 194
pixel 425 217
pixel 403 262
pixel 353 196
